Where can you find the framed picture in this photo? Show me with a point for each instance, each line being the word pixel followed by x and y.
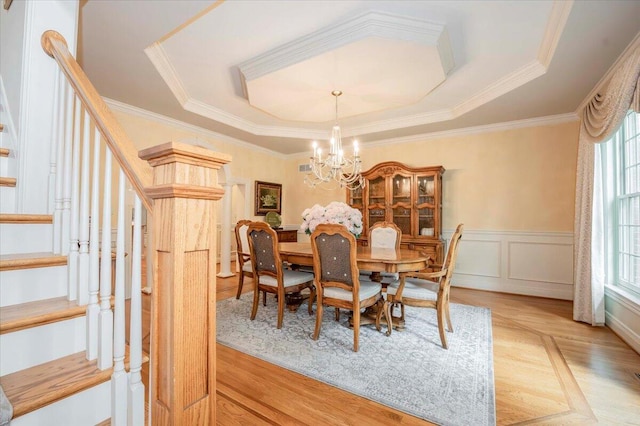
pixel 268 198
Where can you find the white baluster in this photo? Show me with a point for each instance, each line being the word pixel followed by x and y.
pixel 119 375
pixel 105 318
pixel 53 154
pixel 74 225
pixel 136 387
pixel 57 214
pixel 225 238
pixel 83 234
pixel 67 172
pixel 93 309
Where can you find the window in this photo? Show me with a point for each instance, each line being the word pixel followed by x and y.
pixel 621 182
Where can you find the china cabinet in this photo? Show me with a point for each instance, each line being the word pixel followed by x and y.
pixel 410 197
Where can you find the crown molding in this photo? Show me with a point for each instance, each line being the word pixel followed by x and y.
pixel 555 26
pixel 221 116
pixel 163 119
pixel 475 130
pixel 509 82
pixel 504 85
pixel 497 127
pixel 368 24
pixel 466 131
pixel 512 81
pixel 161 62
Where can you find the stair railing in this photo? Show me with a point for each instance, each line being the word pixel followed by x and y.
pixel 180 183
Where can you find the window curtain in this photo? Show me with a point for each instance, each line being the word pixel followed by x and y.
pixel 601 117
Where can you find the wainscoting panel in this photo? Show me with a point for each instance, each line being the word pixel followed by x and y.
pixel 541 262
pixel 528 263
pixel 481 258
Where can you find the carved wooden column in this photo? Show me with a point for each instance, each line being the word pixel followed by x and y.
pixel 183 315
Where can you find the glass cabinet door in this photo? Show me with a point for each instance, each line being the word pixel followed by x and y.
pixel 426 205
pixel 376 205
pixel 355 199
pixel 401 202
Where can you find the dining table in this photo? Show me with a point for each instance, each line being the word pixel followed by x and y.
pixel 375 259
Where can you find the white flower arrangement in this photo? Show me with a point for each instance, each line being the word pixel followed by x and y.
pixel 334 212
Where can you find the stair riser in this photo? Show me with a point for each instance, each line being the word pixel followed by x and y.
pixel 7 166
pixel 28 285
pixel 48 342
pixel 89 407
pixel 7 199
pixel 25 238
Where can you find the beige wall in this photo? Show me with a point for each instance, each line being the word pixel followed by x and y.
pixel 521 179
pixel 512 180
pixel 249 165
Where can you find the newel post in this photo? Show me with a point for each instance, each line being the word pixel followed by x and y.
pixel 183 315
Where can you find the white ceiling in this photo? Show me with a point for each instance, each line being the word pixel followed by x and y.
pixel 263 71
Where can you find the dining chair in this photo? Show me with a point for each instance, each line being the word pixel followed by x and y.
pixel 243 255
pixel 337 279
pixel 269 274
pixel 384 235
pixel 429 289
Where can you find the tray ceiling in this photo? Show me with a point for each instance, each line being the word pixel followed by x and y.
pixel 263 71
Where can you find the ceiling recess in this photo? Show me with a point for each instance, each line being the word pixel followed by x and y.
pixel 362 53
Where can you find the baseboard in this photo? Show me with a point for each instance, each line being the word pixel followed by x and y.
pixel 528 263
pixel 622 315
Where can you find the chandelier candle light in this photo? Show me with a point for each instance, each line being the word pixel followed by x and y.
pixel 336 165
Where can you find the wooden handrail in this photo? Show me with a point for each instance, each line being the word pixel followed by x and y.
pixel 138 172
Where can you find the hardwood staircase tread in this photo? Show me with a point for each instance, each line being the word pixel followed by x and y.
pixel 7 181
pixel 34 314
pixel 30 260
pixel 25 218
pixel 44 384
pixel 35 387
pixel 4 152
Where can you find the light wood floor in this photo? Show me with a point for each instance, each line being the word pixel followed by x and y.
pixel 548 370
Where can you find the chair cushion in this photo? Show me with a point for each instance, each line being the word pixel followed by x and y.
pixel 305 268
pixel 392 275
pixel 367 289
pixel 365 273
pixel 387 277
pixel 289 278
pixel 415 288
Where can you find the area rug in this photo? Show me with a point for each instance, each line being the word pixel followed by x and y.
pixel 414 374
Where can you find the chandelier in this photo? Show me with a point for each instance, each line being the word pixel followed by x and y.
pixel 335 166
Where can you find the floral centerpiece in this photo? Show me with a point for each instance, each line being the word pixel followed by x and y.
pixel 334 212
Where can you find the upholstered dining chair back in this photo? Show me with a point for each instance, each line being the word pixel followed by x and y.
pixel 337 278
pixel 265 255
pixel 241 236
pixel 269 274
pixel 243 256
pixel 337 257
pixel 385 235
